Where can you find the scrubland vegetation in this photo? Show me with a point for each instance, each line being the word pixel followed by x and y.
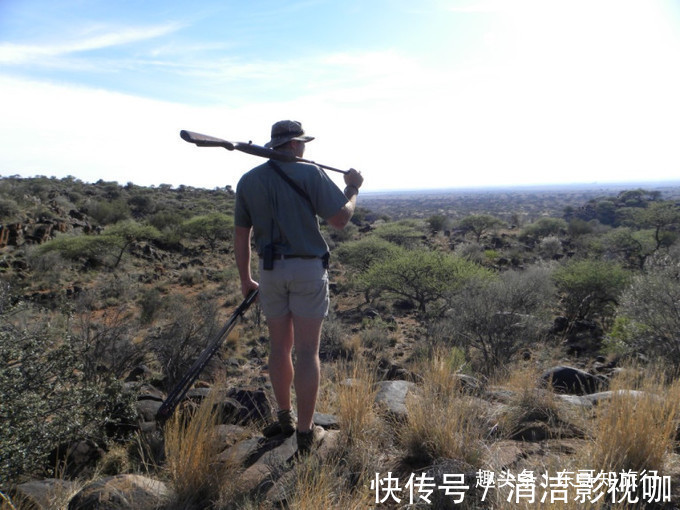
pixel 108 290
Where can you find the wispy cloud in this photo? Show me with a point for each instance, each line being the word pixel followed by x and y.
pixel 104 37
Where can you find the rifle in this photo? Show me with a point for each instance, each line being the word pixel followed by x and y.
pixel 249 148
pixel 179 391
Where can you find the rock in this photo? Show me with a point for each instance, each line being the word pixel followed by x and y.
pixel 255 406
pixel 392 396
pixel 327 421
pixel 139 374
pixel 122 492
pixel 596 398
pixel 572 380
pixel 77 457
pixel 147 409
pixel 42 494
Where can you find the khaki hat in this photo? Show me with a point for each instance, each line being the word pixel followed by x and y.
pixel 286 130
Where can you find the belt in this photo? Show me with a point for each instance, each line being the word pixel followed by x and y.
pixel 281 256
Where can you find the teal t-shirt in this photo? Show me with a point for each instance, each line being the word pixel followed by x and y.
pixel 279 215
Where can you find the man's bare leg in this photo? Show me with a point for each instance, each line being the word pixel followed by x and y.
pixel 280 359
pixel 307 374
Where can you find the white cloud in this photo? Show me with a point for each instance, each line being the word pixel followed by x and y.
pixel 103 37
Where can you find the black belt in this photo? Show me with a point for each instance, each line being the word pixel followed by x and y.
pixel 281 256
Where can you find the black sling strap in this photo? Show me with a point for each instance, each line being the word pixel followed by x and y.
pixel 292 184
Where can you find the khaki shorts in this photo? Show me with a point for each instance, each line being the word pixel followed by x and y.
pixel 297 286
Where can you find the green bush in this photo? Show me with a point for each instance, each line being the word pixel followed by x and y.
pixel 542 228
pixel 590 289
pixel 405 233
pixel 649 316
pixel 47 399
pixel 495 318
pixel 360 255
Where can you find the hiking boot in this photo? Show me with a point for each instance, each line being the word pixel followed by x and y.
pixel 286 421
pixel 306 441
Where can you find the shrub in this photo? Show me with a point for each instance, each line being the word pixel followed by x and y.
pixel 542 228
pixel 590 288
pixel 106 213
pixel 360 255
pixel 405 233
pixel 496 319
pixel 46 399
pixel 649 317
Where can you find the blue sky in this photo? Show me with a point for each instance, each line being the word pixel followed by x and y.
pixel 428 94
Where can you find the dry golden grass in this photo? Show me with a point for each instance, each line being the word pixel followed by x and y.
pixel 442 422
pixel 322 485
pixel 530 402
pixel 192 446
pixel 636 429
pixel 355 397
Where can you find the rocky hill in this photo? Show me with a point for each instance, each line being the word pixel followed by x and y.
pixel 526 377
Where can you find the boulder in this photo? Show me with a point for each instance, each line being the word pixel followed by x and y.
pixel 573 381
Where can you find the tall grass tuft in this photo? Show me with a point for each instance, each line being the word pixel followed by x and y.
pixel 322 485
pixel 192 447
pixel 636 429
pixel 442 421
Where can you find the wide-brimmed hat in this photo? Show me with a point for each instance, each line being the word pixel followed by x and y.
pixel 286 130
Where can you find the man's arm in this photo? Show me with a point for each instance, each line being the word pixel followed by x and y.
pixel 242 255
pixel 353 180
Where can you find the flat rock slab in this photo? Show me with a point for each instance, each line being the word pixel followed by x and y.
pixel 121 492
pixel 392 395
pixel 43 494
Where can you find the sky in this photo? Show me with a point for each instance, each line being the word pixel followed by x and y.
pixel 415 95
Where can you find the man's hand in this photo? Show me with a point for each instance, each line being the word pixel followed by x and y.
pixel 353 178
pixel 248 286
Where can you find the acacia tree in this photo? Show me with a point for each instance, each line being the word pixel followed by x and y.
pixel 479 224
pixel 210 227
pixel 423 277
pixel 96 249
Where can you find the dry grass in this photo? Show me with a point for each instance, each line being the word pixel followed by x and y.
pixel 530 402
pixel 636 430
pixel 323 485
pixel 191 446
pixel 355 397
pixel 442 422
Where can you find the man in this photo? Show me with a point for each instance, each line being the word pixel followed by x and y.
pixel 279 203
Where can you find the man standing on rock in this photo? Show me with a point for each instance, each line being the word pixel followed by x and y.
pixel 279 203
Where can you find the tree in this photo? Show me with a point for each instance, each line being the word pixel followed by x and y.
pixel 211 228
pixel 421 276
pixel 479 224
pixel 98 248
pixel 660 216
